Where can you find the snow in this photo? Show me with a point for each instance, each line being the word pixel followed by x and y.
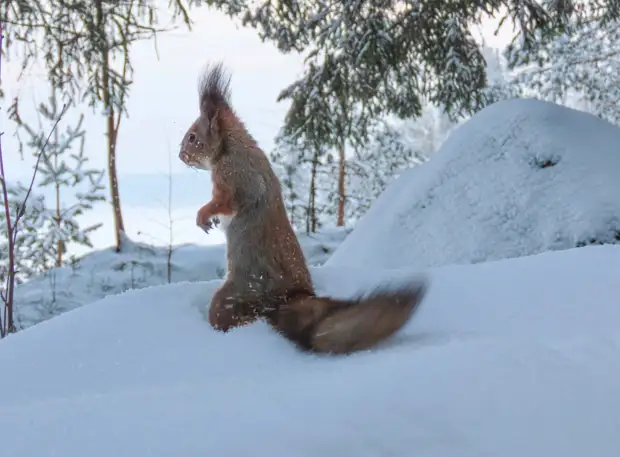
pixel 483 195
pixel 514 357
pixel 106 272
pixel 514 351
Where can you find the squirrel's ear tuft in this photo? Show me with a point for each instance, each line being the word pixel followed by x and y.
pixel 214 91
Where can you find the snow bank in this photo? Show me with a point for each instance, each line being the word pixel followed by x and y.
pixel 103 273
pixel 511 358
pixel 520 177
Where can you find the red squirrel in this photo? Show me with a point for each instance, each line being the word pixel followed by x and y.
pixel 267 274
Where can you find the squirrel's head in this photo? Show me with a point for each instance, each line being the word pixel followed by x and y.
pixel 199 146
pixel 203 143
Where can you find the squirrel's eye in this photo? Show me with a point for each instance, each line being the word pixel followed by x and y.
pixel 191 138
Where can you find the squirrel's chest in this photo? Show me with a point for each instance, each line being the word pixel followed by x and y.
pixel 225 221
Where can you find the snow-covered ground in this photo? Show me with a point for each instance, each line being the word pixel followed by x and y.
pixel 512 358
pixel 520 177
pixel 105 272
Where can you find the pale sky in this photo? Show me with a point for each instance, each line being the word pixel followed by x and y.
pixel 162 104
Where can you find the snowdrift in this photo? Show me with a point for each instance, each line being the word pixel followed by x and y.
pixel 106 272
pixel 511 358
pixel 519 178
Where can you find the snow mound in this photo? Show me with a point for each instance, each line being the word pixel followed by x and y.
pixel 106 272
pixel 511 358
pixel 519 178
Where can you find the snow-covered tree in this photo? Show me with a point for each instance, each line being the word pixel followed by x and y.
pixel 500 80
pixel 309 181
pixel 64 169
pixel 395 146
pixel 366 59
pixel 293 170
pixel 28 259
pixel 86 49
pixel 18 258
pixel 301 168
pixel 374 166
pixel 579 66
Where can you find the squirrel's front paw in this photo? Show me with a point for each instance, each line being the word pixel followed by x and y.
pixel 206 224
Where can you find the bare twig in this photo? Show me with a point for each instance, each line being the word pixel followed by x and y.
pixel 39 156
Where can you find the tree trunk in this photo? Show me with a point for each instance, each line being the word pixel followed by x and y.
pixel 59 245
pixel 119 226
pixel 6 323
pixel 308 209
pixel 341 189
pixel 311 221
pixel 112 132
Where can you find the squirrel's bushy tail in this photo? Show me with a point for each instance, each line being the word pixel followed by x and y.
pixel 328 325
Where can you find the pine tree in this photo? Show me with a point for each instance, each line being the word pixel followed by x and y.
pixel 293 170
pixel 579 67
pixel 301 168
pixel 395 146
pixel 366 59
pixel 63 169
pixel 28 259
pixel 85 45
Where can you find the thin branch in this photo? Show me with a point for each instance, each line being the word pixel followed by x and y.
pixel 7 325
pixel 41 153
pixel 577 61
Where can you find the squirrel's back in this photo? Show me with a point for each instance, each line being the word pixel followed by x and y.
pixel 262 246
